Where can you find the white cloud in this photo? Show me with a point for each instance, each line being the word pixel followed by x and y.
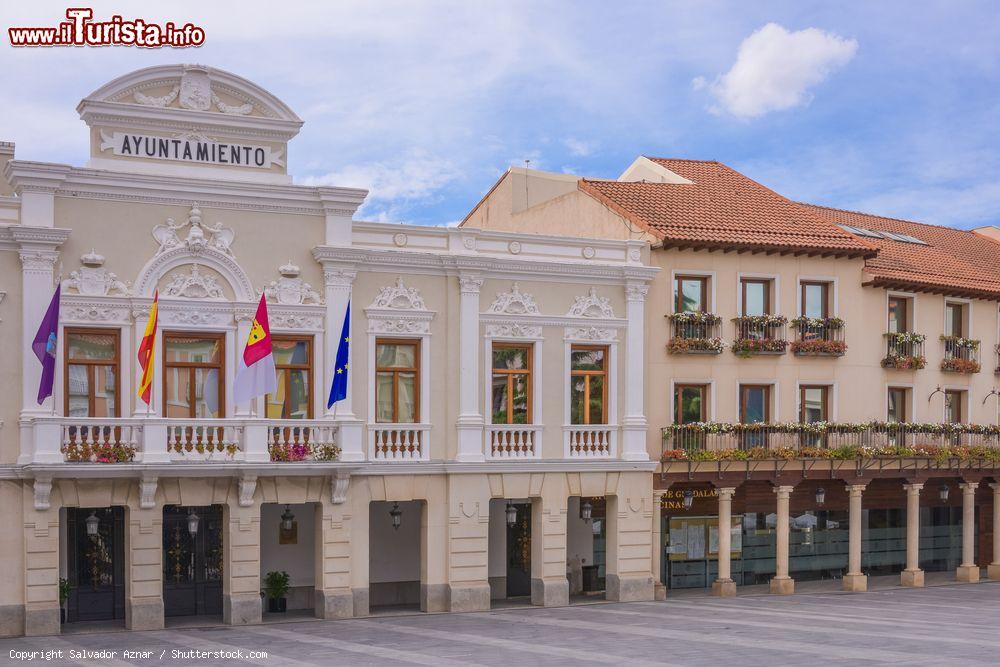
pixel 578 147
pixel 775 69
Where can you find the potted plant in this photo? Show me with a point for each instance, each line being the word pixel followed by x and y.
pixel 276 588
pixel 64 589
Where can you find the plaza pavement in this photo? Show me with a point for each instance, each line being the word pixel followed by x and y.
pixel 940 625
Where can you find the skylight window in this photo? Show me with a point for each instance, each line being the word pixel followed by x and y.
pixel 892 236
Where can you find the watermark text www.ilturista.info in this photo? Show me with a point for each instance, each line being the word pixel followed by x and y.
pixel 82 30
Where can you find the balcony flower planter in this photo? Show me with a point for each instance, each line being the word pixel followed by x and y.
pixel 695 346
pixel 303 452
pixel 694 318
pixel 749 347
pixel 97 453
pixel 201 450
pixel 818 348
pixel 759 335
pixel 956 365
pixel 903 362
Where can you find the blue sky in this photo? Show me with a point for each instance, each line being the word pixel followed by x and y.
pixel 887 107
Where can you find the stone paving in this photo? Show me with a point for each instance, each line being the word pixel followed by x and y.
pixel 941 625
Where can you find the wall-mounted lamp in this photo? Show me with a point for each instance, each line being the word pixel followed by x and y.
pixel 688 498
pixel 943 493
pixel 511 513
pixel 820 495
pixel 92 524
pixel 993 392
pixel 586 510
pixel 286 518
pixel 396 515
pixel 193 523
pixel 939 390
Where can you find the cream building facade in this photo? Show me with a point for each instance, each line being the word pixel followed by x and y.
pixel 493 441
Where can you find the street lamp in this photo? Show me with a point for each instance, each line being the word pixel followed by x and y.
pixel 943 493
pixel 193 523
pixel 397 516
pixel 511 514
pixel 286 519
pixel 586 510
pixel 688 498
pixel 820 495
pixel 92 524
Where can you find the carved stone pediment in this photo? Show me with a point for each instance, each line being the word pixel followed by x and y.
pixel 398 297
pixel 598 307
pixel 514 302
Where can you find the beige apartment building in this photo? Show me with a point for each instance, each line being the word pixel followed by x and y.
pixel 809 372
pixel 492 443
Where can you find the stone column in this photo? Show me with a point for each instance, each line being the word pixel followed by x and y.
pixel 629 540
pixel 968 571
pixel 241 601
pixel 470 420
pixel 433 543
pixel 549 585
pixel 993 570
pixel 782 584
pixel 634 425
pixel 41 559
pixel 854 580
pixel 724 586
pixel 144 563
pixel 339 282
pixel 467 557
pixel 912 576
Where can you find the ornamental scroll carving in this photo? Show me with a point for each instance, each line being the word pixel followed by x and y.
pixel 92 279
pixel 290 290
pixel 592 306
pixel 399 297
pixel 514 302
pixel 194 285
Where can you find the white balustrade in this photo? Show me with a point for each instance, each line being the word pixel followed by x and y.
pixel 513 441
pixel 596 441
pixel 398 442
pixel 98 440
pixel 300 440
pixel 205 439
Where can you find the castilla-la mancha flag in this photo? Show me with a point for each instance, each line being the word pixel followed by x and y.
pixel 255 374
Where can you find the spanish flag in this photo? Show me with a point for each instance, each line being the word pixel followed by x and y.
pixel 255 373
pixel 147 352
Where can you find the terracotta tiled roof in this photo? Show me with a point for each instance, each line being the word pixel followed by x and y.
pixel 953 261
pixel 722 208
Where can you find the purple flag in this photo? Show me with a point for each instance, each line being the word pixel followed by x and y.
pixel 44 346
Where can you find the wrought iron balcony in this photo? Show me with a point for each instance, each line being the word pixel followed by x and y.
pixel 818 337
pixel 760 335
pixel 961 355
pixel 904 351
pixel 695 333
pixel 729 441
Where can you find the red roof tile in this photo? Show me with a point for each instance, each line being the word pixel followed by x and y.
pixel 722 208
pixel 953 261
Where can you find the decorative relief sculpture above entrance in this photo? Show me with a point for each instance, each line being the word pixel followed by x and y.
pixel 194 285
pixel 200 236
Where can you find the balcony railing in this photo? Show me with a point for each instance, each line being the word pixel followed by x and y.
pixel 961 355
pixel 904 351
pixel 157 440
pixel 818 336
pixel 724 441
pixel 695 333
pixel 513 441
pixel 398 442
pixel 759 335
pixel 590 442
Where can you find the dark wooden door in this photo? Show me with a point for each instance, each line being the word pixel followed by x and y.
pixel 95 564
pixel 519 553
pixel 192 564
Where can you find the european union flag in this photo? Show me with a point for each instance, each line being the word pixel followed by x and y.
pixel 338 390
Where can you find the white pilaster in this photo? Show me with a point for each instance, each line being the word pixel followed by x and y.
pixel 470 420
pixel 634 425
pixel 339 283
pixel 339 206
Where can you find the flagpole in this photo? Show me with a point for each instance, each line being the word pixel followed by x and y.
pixel 57 286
